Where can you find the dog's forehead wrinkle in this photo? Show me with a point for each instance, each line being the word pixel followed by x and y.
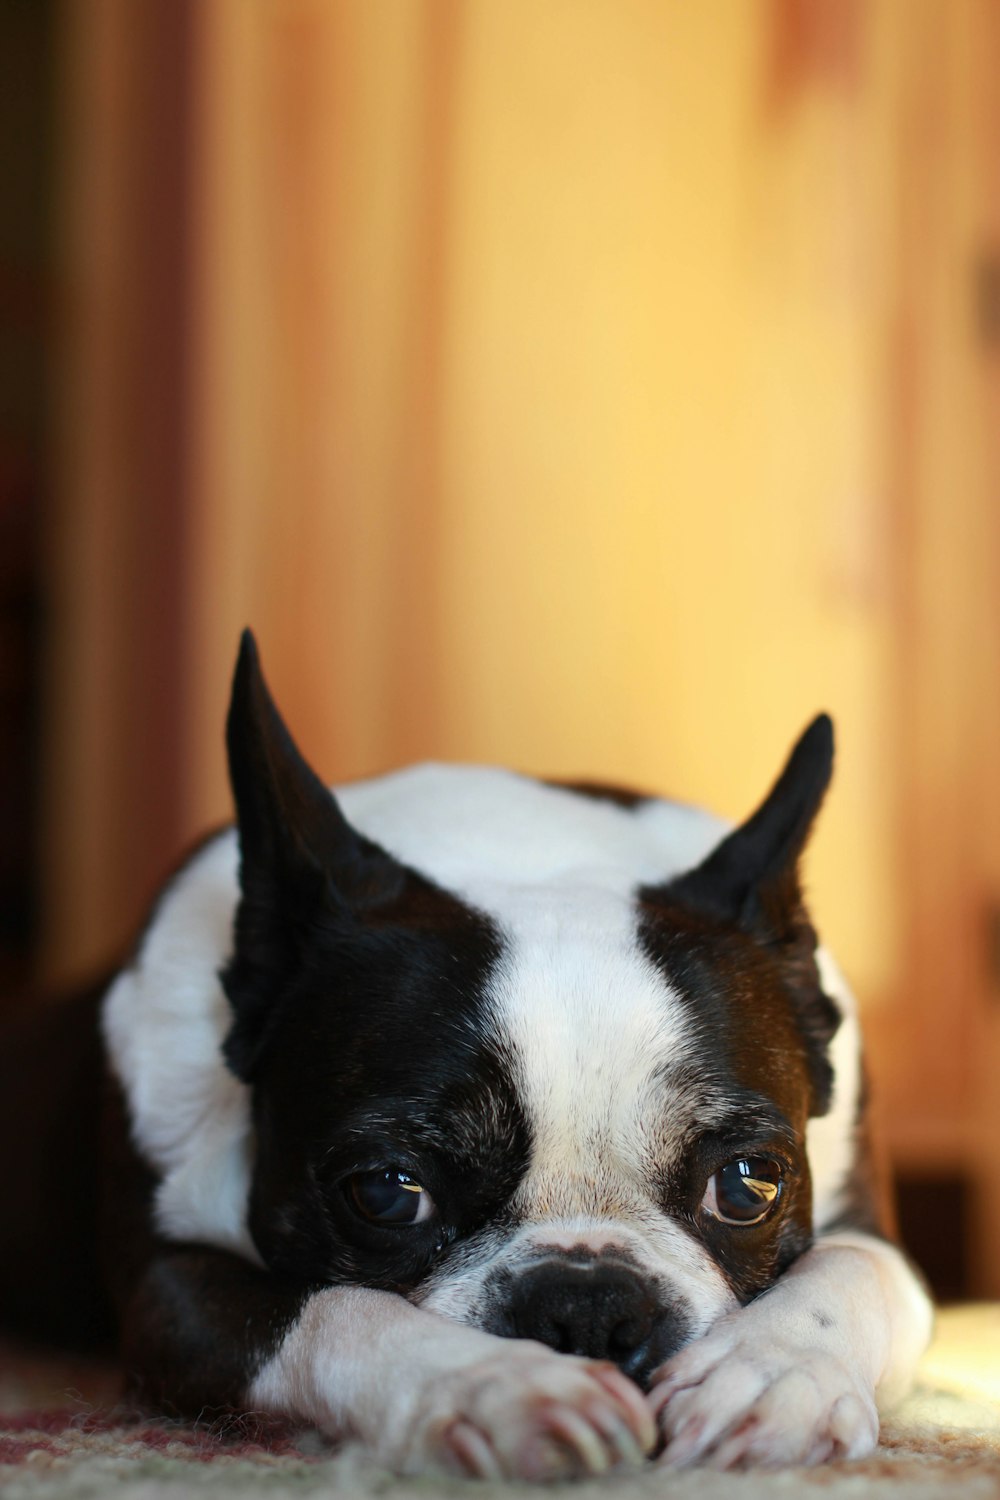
pixel 453 1129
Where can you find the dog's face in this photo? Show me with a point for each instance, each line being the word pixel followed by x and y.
pixel 556 1100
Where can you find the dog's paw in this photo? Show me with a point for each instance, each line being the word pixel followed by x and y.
pixel 527 1413
pixel 744 1396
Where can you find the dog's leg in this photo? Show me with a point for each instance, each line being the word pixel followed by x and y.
pixel 205 1330
pixel 795 1377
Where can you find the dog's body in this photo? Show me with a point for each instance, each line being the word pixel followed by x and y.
pixel 510 1126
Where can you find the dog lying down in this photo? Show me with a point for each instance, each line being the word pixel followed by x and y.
pixel 515 1128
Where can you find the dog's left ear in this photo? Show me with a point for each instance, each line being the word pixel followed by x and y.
pixel 751 878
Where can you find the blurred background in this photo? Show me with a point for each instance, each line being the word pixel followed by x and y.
pixel 596 386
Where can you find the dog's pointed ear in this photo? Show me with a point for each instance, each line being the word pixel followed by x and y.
pixel 751 878
pixel 291 827
pixel 301 862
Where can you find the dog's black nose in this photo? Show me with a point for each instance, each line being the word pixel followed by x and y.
pixel 601 1309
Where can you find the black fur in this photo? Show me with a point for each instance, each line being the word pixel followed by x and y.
pixel 605 791
pixel 301 863
pixel 355 980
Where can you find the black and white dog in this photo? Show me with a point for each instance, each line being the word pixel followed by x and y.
pixel 514 1128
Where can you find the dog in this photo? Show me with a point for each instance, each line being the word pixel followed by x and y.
pixel 514 1128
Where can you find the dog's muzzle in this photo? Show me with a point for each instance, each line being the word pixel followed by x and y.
pixel 599 1307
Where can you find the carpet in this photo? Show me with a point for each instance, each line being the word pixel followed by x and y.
pixel 64 1435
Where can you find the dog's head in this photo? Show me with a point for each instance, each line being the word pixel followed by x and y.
pixel 512 1059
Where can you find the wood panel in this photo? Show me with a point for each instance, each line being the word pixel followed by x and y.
pixel 117 531
pixel 935 1042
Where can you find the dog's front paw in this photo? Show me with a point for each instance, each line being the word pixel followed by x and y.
pixel 527 1413
pixel 745 1396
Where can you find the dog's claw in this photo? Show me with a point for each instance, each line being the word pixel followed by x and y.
pixel 642 1426
pixel 475 1456
pixel 580 1437
pixel 619 1436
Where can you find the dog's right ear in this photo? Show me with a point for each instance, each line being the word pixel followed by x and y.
pixel 301 862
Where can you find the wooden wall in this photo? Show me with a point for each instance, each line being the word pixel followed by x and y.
pixel 600 388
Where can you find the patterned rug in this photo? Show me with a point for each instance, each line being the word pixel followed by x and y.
pixel 64 1435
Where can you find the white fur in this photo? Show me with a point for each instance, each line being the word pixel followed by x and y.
pixel 830 1137
pixel 595 1033
pixel 465 825
pixel 164 1020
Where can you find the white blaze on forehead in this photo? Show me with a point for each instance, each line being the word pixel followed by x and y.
pixel 593 1030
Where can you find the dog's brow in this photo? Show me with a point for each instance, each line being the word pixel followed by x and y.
pixel 459 1132
pixel 756 1122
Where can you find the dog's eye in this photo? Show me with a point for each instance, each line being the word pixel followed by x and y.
pixel 388 1197
pixel 743 1191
